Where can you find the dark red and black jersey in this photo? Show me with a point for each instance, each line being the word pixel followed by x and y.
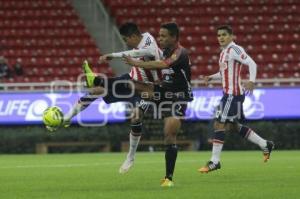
pixel 177 77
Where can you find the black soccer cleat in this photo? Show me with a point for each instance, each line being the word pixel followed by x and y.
pixel 210 166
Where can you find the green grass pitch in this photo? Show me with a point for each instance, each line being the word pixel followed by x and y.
pixel 87 176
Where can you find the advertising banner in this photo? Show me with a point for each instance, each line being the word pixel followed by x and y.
pixel 264 103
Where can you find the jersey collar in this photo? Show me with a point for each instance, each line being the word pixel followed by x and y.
pixel 228 45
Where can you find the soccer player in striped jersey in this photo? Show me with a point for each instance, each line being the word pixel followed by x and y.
pixel 144 47
pixel 229 113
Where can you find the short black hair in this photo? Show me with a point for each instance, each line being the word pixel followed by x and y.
pixel 228 28
pixel 128 29
pixel 172 29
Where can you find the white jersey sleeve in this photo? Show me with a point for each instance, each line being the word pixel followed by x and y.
pixel 134 53
pixel 245 59
pixel 147 48
pixel 216 76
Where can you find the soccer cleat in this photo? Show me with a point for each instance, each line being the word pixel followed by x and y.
pixel 89 75
pixel 267 151
pixel 166 183
pixel 210 166
pixel 125 167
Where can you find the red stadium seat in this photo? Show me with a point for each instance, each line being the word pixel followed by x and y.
pixel 267 31
pixel 48 36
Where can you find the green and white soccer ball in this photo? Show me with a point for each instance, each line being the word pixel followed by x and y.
pixel 53 117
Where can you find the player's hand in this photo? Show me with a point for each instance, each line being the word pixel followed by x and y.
pixel 249 87
pixel 105 58
pixel 206 80
pixel 128 60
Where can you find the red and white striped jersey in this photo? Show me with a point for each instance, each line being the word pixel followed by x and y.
pixel 231 60
pixel 149 44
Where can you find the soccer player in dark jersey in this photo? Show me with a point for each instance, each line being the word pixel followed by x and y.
pixel 174 92
pixel 230 111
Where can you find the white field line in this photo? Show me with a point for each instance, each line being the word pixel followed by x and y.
pixel 73 165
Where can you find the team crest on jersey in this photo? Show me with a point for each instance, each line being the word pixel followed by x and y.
pixel 226 57
pixel 173 57
pixel 243 56
pixel 222 65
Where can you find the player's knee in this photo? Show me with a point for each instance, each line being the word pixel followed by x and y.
pixel 99 81
pixel 244 131
pixel 96 91
pixel 136 127
pixel 172 126
pixel 136 115
pixel 219 135
pixel 170 139
pixel 219 126
pixel 231 127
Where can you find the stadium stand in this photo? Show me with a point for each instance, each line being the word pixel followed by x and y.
pixel 48 37
pixel 51 40
pixel 269 30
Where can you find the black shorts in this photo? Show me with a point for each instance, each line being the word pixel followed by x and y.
pixel 230 109
pixel 176 109
pixel 167 103
pixel 119 91
pixel 164 109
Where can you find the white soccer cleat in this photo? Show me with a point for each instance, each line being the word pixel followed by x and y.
pixel 127 164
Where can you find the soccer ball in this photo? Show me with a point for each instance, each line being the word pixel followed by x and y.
pixel 53 116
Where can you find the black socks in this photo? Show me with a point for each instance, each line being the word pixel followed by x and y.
pixel 170 157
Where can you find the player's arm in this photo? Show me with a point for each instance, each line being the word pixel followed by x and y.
pixel 245 59
pixel 158 64
pixel 145 64
pixel 132 53
pixel 215 76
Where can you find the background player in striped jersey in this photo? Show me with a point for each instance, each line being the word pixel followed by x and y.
pixel 230 110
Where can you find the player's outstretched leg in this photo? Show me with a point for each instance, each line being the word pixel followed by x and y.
pixel 81 105
pixel 265 145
